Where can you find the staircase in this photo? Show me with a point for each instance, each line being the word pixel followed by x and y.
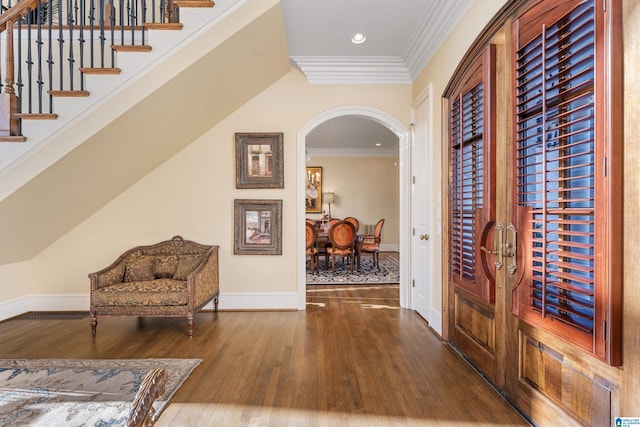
pixel 81 146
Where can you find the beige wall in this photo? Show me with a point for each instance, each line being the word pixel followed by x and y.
pixel 366 188
pixel 192 194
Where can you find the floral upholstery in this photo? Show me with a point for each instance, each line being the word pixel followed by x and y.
pixel 165 266
pixel 186 264
pixel 147 292
pixel 173 278
pixel 139 268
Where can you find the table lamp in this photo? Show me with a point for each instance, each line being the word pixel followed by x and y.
pixel 329 198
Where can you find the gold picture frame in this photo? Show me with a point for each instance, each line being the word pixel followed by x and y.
pixel 313 190
pixel 257 227
pixel 259 160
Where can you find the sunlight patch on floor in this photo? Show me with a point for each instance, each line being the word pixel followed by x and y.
pixel 192 414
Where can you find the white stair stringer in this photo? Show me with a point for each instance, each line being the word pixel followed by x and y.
pixel 111 95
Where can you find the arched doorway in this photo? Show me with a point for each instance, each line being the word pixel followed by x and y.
pixel 403 139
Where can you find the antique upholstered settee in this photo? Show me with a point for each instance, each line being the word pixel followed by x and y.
pixel 174 278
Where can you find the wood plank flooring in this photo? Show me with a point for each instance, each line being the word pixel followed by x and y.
pixel 353 358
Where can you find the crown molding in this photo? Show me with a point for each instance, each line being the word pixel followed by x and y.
pixel 353 70
pixel 351 152
pixel 428 39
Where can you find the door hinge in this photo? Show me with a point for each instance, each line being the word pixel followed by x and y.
pixel 413 283
pixel 413 232
pixel 604 5
pixel 604 166
pixel 604 330
pixel 413 178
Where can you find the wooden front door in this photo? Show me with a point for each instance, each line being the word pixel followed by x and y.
pixel 533 233
pixel 475 304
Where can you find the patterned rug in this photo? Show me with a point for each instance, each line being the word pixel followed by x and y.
pixel 74 392
pixel 389 273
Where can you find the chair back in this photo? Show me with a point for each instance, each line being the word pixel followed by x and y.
pixel 354 221
pixel 377 233
pixel 312 235
pixel 342 235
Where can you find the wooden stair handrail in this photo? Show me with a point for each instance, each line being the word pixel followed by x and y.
pixel 15 11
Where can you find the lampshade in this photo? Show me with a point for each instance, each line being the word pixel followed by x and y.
pixel 329 197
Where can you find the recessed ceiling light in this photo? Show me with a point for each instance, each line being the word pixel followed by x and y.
pixel 378 144
pixel 358 38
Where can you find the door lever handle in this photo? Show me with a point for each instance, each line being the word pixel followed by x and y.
pixel 512 248
pixel 497 243
pixel 488 251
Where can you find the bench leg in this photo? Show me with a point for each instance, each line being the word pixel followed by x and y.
pixel 215 304
pixel 190 325
pixel 94 325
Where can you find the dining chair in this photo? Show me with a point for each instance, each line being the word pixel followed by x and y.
pixel 342 236
pixel 371 243
pixel 354 221
pixel 312 249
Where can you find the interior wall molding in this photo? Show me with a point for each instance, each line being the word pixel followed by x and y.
pixel 402 132
pixel 80 302
pixel 352 152
pixel 353 70
pixel 428 39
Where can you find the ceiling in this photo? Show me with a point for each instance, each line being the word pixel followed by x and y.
pixel 401 37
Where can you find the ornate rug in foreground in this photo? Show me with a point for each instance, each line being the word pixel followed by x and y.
pixel 77 392
pixel 389 273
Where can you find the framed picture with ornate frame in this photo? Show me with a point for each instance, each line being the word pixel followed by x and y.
pixel 259 160
pixel 313 190
pixel 257 227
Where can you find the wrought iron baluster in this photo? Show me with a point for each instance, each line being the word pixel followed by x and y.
pixel 92 18
pixel 102 36
pixel 29 64
pixel 61 48
pixel 71 58
pixel 144 19
pixel 39 43
pixel 50 50
pixel 81 40
pixel 112 21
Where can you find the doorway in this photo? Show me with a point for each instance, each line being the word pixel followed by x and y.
pixel 403 136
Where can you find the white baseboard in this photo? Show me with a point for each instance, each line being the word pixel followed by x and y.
pixel 80 302
pixel 435 321
pixel 261 301
pixel 21 305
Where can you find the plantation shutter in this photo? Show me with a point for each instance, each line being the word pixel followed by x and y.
pixel 560 183
pixel 469 209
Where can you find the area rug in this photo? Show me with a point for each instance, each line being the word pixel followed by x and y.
pixel 389 273
pixel 75 392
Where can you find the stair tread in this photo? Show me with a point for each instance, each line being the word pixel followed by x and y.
pixel 131 48
pixel 69 93
pixel 170 26
pixel 193 3
pixel 18 138
pixel 94 70
pixel 36 116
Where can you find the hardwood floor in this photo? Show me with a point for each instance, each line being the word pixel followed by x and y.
pixel 352 358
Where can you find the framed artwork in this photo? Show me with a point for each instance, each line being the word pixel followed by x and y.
pixel 259 160
pixel 313 192
pixel 258 227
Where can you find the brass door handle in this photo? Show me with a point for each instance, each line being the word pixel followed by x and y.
pixel 512 248
pixel 424 237
pixel 497 247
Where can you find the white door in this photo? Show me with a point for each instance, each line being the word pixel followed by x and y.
pixel 420 199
